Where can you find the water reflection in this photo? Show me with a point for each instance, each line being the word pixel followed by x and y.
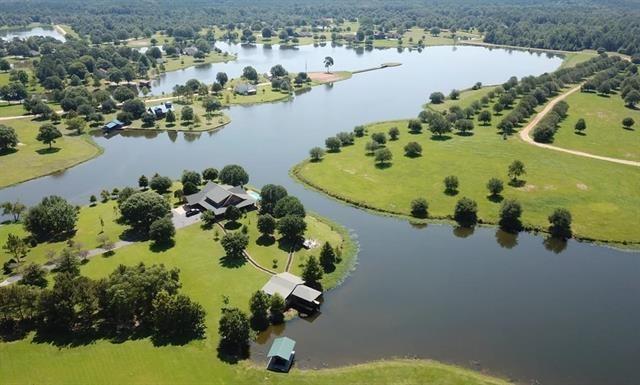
pixel 463 232
pixel 555 244
pixel 506 240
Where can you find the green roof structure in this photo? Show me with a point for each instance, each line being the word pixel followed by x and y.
pixel 282 348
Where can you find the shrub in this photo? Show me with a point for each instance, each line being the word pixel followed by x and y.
pixel 419 208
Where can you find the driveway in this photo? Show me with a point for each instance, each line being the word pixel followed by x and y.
pixel 180 220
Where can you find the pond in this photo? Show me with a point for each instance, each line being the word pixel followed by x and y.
pixel 23 33
pixel 513 306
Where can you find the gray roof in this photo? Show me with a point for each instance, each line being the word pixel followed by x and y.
pixel 287 284
pixel 216 198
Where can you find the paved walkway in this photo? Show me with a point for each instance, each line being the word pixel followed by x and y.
pixel 524 134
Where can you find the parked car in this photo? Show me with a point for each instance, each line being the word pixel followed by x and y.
pixel 192 212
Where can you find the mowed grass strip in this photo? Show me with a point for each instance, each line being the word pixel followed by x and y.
pixel 601 196
pixel 605 134
pixel 32 159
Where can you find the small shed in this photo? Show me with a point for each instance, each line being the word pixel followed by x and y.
pixel 245 89
pixel 281 354
pixel 113 125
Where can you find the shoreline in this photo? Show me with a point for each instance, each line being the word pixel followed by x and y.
pixel 294 173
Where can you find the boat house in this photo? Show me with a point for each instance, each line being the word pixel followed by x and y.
pixel 281 354
pixel 294 291
pixel 217 198
pixel 113 125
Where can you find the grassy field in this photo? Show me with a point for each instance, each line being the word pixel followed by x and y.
pixel 464 100
pixel 602 197
pixel 32 159
pixel 604 134
pixel 574 58
pixel 185 61
pixel 205 278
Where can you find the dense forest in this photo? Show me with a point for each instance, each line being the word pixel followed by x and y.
pixel 568 25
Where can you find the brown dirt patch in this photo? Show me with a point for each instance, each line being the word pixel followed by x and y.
pixel 323 77
pixel 582 186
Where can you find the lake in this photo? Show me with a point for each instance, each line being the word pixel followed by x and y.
pixel 512 306
pixel 23 33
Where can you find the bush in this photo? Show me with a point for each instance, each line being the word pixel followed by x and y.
pixel 495 186
pixel 160 184
pixel 420 208
pixel 210 174
pixel 379 137
pixel 413 149
pixel 451 184
pixel 510 213
pixel 466 212
pixel 415 127
pixel 394 133
pixel 560 223
pixel 162 230
pixel 50 218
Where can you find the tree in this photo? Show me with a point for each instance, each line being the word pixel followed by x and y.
pixel 413 149
pixel 48 134
pixel 14 209
pixel 312 273
pixel 394 133
pixel 498 108
pixel 628 123
pixel 510 213
pixel 495 186
pixel 250 73
pixel 419 208
pixel 383 156
pixel 50 218
pixel 142 209
pixel 327 257
pixel 266 225
pixel 170 117
pixel 292 227
pixel 191 177
pixel 415 127
pixel 581 125
pixel 211 104
pixel 560 223
pixel 451 184
pixel 160 184
pixel 210 174
pixel 143 182
pixel 278 71
pixel 333 144
pixel 232 214
pixel 176 316
pixel 436 97
pixel 379 137
pixel 234 244
pixel 435 31
pixel 359 131
pixel 454 94
pixel 76 124
pixel 516 169
pixel 135 107
pixel 222 78
pixel 34 275
pixel 277 308
pixel 148 119
pixel 68 263
pixel 632 98
pixel 316 154
pixel 270 194
pixel 466 212
pixel 162 230
pixel 485 117
pixel 186 114
pixel 123 93
pixel 234 331
pixel 259 307
pixel 4 65
pixel 464 125
pixel 16 246
pixel 438 125
pixel 233 175
pixel 8 138
pixel 328 62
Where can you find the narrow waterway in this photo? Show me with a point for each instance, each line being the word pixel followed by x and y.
pixel 514 306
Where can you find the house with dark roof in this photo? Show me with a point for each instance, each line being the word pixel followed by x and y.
pixel 160 110
pixel 245 89
pixel 217 198
pixel 293 289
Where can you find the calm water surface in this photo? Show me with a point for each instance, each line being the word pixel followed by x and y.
pixel 28 32
pixel 509 305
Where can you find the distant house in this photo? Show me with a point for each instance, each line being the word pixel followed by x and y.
pixel 144 83
pixel 190 51
pixel 113 125
pixel 217 198
pixel 160 110
pixel 245 89
pixel 294 291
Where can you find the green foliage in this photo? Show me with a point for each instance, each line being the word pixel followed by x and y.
pixel 270 194
pixel 289 205
pixel 327 257
pixel 333 144
pixel 34 275
pixel 234 244
pixel 48 134
pixel 451 184
pixel 259 307
pixel 192 177
pixel 560 223
pixel 312 273
pixel 628 123
pixel 162 230
pixel 291 227
pixel 495 186
pixel 510 213
pixel 210 174
pixel 581 125
pixel 160 184
pixel 516 170
pixel 232 213
pixel 266 224
pixel 51 218
pixel 142 209
pixel 420 208
pixel 8 138
pixel 234 330
pixel 277 308
pixel 413 149
pixel 383 156
pixel 466 212
pixel 316 154
pixel 234 175
pixel 176 317
pixel 16 246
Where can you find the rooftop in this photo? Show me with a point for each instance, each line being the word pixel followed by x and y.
pixel 282 348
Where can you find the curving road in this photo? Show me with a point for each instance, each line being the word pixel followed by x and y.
pixel 524 134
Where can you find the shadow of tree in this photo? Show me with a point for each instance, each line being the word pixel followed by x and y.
pixel 440 138
pixel 232 225
pixel 412 155
pixel 464 134
pixel 383 166
pixel 232 354
pixel 495 198
pixel 265 240
pixel 158 247
pixel 232 263
pixel 580 133
pixel 517 182
pixel 46 151
pixel 8 151
pixel 451 192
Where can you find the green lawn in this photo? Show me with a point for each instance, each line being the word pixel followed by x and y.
pixel 601 196
pixel 184 61
pixel 465 99
pixel 604 134
pixel 204 278
pixel 32 159
pixel 573 58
